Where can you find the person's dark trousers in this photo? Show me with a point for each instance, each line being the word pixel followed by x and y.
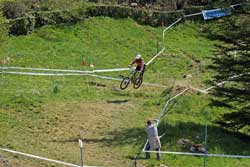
pixel 148 154
pixel 158 154
pixel 147 149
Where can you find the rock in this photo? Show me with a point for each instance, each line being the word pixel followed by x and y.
pixel 197 148
pixel 133 4
pixel 221 21
pixel 187 76
pixel 185 143
pixel 162 165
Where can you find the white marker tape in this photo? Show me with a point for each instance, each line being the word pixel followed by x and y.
pixel 42 158
pixel 72 74
pixel 198 154
pixel 70 71
pixel 157 55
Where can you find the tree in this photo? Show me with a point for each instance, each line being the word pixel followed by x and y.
pixel 3 28
pixel 232 62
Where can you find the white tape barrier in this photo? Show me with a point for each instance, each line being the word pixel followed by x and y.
pixel 223 82
pixel 57 74
pixel 72 74
pixel 167 103
pixel 105 77
pixel 199 154
pixel 70 71
pixel 157 55
pixel 41 74
pixel 198 90
pixel 42 158
pixel 166 29
pixel 204 91
pixel 191 15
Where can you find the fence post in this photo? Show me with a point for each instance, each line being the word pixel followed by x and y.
pixel 205 154
pixel 81 151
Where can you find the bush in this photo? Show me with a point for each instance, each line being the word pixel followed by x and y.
pixel 28 22
pixel 148 17
pixel 3 29
pixel 14 9
pixel 58 17
pixel 246 7
pixel 23 26
pixel 193 9
pixel 61 4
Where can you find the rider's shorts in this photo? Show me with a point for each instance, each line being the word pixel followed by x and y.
pixel 138 68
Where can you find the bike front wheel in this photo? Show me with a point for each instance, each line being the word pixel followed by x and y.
pixel 125 82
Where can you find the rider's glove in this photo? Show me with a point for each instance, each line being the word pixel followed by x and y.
pixel 130 65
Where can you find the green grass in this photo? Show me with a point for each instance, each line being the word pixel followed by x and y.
pixel 46 115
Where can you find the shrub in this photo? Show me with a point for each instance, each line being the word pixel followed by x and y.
pixel 193 9
pixel 61 4
pixel 58 17
pixel 14 9
pixel 148 17
pixel 3 29
pixel 23 26
pixel 246 7
pixel 28 22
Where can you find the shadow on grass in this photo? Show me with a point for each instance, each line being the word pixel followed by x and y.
pixel 219 140
pixel 116 138
pixel 117 101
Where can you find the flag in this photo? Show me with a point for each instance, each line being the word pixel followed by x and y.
pixel 84 63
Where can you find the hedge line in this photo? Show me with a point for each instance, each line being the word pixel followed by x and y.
pixel 26 24
pixel 29 22
pixel 153 18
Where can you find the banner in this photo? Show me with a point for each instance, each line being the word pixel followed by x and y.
pixel 215 13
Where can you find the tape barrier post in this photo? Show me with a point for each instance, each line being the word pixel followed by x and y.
pixel 205 154
pixel 81 151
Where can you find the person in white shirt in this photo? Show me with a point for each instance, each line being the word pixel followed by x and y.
pixel 153 139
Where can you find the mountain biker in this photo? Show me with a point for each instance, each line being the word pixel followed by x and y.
pixel 140 64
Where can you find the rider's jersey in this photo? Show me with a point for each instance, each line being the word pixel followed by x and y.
pixel 139 62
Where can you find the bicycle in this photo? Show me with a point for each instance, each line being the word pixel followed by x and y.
pixel 135 77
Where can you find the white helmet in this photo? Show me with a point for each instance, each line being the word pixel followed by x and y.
pixel 138 56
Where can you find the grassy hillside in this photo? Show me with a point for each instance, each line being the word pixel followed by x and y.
pixel 46 115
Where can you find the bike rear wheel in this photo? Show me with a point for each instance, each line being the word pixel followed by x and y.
pixel 125 82
pixel 138 82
